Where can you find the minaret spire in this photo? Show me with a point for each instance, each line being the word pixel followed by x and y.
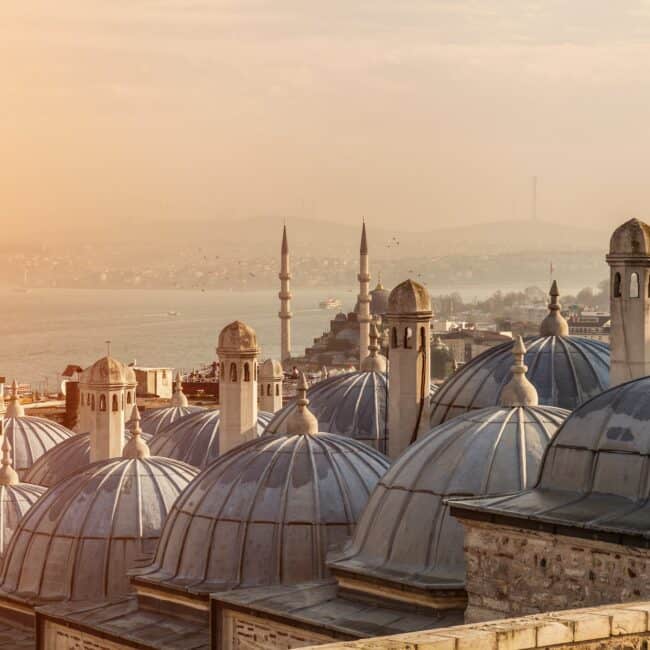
pixel 519 391
pixel 15 408
pixel 554 324
pixel 285 299
pixel 363 314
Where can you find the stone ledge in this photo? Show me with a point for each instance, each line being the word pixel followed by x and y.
pixel 538 631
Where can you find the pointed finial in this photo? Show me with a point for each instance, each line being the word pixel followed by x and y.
pixel 285 243
pixel 8 475
pixel 15 408
pixel 364 241
pixel 108 348
pixel 554 324
pixel 519 391
pixel 379 286
pixel 302 421
pixel 136 447
pixel 374 362
pixel 178 398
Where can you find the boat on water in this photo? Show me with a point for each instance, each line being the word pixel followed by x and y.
pixel 330 303
pixel 172 313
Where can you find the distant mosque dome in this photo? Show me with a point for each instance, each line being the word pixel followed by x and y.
pixel 565 370
pixel 406 535
pixel 340 317
pixel 267 512
pixel 378 300
pixel 79 540
pixel 194 439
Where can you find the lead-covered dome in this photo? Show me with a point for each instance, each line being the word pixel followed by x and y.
pixel 194 439
pixel 406 535
pixel 630 238
pixel 352 405
pixel 409 297
pixel 565 370
pixel 106 371
pixel 237 336
pixel 266 513
pixel 155 420
pixel 79 540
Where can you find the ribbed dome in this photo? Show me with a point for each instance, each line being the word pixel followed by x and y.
pixel 31 437
pixel 155 420
pixel 352 405
pixel 566 371
pixel 67 458
pixel 406 534
pixel 630 238
pixel 266 513
pixel 379 300
pixel 106 371
pixel 195 438
pixel 79 540
pixel 15 501
pixel 409 297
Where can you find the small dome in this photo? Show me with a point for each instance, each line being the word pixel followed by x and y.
pixel 631 238
pixel 31 437
pixel 106 371
pixel 195 438
pixel 153 421
pixel 68 457
pixel 409 297
pixel 565 370
pixel 266 513
pixel 352 405
pixel 379 300
pixel 340 317
pixel 406 534
pixel 237 337
pixel 271 369
pixel 79 540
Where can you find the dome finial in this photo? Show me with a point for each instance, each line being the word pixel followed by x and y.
pixel 302 421
pixel 374 362
pixel 8 475
pixel 519 391
pixel 15 408
pixel 178 398
pixel 379 286
pixel 554 324
pixel 136 447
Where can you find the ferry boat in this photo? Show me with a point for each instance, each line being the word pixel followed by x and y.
pixel 330 303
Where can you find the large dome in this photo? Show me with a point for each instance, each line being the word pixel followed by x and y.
pixel 194 439
pixel 15 502
pixel 155 420
pixel 565 370
pixel 406 535
pixel 67 458
pixel 595 474
pixel 266 513
pixel 352 405
pixel 79 540
pixel 31 437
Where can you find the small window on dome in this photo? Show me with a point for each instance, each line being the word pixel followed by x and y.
pixel 277 390
pixel 114 404
pixel 247 372
pixel 92 403
pixel 268 389
pixel 408 338
pixel 102 402
pixel 394 338
pixel 128 397
pixel 233 372
pixel 616 289
pixel 634 285
pixel 423 339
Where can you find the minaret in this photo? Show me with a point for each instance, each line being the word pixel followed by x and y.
pixel 270 383
pixel 409 370
pixel 519 391
pixel 374 362
pixel 285 300
pixel 178 398
pixel 629 336
pixel 363 314
pixel 554 324
pixel 15 408
pixel 302 421
pixel 238 353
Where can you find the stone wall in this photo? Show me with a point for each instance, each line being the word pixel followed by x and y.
pixel 614 627
pixel 514 572
pixel 60 637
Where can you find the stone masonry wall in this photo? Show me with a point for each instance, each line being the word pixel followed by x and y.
pixel 514 572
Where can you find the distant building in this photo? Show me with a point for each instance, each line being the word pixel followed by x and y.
pixel 155 381
pixel 466 344
pixel 591 325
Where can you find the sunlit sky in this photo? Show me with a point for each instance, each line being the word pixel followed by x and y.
pixel 421 112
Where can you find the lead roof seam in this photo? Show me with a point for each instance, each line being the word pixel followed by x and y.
pixel 523 476
pixel 317 549
pixel 503 423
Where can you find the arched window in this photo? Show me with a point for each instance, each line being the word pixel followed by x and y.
pixel 408 338
pixel 423 339
pixel 268 389
pixel 92 403
pixel 394 341
pixel 128 397
pixel 277 390
pixel 102 402
pixel 634 285
pixel 114 406
pixel 88 399
pixel 247 372
pixel 616 289
pixel 233 372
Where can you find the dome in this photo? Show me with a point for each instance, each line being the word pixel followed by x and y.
pixel 155 420
pixel 15 502
pixel 340 317
pixel 379 300
pixel 631 238
pixel 79 540
pixel 195 438
pixel 271 369
pixel 68 457
pixel 409 297
pixel 349 335
pixel 106 371
pixel 406 535
pixel 129 376
pixel 31 437
pixel 353 405
pixel 237 337
pixel 565 370
pixel 595 473
pixel 266 513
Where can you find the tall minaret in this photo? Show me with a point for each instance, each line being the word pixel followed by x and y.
pixel 363 314
pixel 285 300
pixel 629 263
pixel 409 370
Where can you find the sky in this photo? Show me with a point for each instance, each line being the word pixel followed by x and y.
pixel 421 113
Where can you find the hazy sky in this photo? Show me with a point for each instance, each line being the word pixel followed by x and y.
pixel 421 111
